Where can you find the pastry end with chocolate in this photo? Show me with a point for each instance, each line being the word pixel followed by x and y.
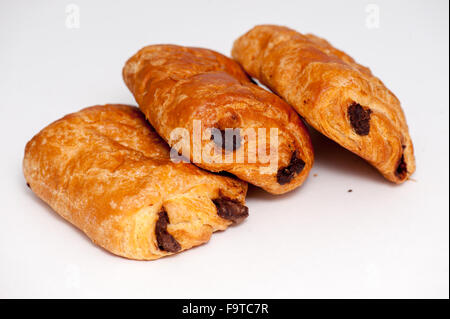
pixel 402 169
pixel 165 240
pixel 359 119
pixel 231 209
pixel 287 173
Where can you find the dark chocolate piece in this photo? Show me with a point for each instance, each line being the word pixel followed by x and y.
pixel 230 209
pixel 28 184
pixel 359 118
pixel 401 168
pixel 227 144
pixel 165 240
pixel 286 174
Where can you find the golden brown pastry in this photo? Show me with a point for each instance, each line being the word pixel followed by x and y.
pixel 178 86
pixel 337 96
pixel 105 170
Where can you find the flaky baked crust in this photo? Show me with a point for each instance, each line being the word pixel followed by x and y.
pixel 174 86
pixel 105 170
pixel 337 96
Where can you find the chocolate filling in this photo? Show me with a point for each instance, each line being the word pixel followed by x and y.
pixel 401 168
pixel 231 209
pixel 227 144
pixel 165 240
pixel 286 174
pixel 359 118
pixel 28 184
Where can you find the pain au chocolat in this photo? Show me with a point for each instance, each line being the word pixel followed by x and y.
pixel 337 96
pixel 105 170
pixel 177 87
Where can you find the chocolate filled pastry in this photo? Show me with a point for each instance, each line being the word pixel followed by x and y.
pixel 204 105
pixel 105 170
pixel 337 96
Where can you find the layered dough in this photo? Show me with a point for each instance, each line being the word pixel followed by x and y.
pixel 176 86
pixel 105 170
pixel 337 96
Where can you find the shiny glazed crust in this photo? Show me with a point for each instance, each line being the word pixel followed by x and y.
pixel 105 170
pixel 337 96
pixel 174 86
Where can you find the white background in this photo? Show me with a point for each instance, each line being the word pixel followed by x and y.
pixel 381 240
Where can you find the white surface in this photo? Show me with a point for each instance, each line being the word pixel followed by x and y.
pixel 380 240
